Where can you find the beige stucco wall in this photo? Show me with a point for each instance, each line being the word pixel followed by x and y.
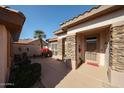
pixel 62 36
pixel 3 54
pixel 33 49
pixel 80 42
pixel 59 49
pixel 104 47
pixel 54 49
pixel 117 79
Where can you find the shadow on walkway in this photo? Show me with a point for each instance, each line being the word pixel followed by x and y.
pixel 53 71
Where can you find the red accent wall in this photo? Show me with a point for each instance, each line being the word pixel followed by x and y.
pixel 93 64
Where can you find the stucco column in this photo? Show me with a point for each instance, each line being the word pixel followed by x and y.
pixel 71 49
pixel 117 54
pixel 3 55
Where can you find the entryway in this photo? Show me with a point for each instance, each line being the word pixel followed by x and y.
pixel 93 47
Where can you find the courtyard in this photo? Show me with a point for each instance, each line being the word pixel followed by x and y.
pixel 55 74
pixel 81 51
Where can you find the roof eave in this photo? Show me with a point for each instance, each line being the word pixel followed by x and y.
pixel 89 15
pixel 13 20
pixel 60 31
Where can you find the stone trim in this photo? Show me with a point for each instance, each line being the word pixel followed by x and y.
pixel 117 48
pixel 59 48
pixel 71 49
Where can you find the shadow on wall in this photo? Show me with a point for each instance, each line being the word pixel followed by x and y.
pixel 53 71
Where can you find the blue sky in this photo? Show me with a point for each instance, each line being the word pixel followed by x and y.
pixel 47 18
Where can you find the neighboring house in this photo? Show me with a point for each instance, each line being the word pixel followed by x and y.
pixel 52 44
pixel 97 37
pixel 30 46
pixel 11 22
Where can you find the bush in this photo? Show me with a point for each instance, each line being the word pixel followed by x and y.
pixel 25 76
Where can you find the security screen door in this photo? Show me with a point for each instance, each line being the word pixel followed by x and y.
pixel 91 50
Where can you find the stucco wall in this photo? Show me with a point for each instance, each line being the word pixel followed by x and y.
pixel 104 47
pixel 33 49
pixel 80 42
pixel 53 46
pixel 62 35
pixel 59 48
pixel 9 54
pixel 3 54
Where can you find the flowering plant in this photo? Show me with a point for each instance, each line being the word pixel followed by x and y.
pixel 43 50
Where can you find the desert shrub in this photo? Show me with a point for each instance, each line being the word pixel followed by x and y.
pixel 25 75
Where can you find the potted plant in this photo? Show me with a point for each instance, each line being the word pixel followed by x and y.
pixel 82 59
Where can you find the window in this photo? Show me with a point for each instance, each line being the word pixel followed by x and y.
pixel 54 48
pixel 91 47
pixel 91 44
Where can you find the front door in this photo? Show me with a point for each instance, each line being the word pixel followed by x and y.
pixel 91 49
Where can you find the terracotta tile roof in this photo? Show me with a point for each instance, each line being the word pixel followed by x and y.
pixel 95 12
pixel 96 7
pixel 29 41
pixel 12 11
pixel 25 41
pixel 59 31
pixel 52 39
pixel 13 20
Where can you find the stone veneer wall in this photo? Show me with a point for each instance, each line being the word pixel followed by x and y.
pixel 59 48
pixel 117 48
pixel 70 49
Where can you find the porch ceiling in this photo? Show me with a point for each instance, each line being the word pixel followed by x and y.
pixel 95 30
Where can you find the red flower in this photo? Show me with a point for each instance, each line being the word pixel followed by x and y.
pixel 44 50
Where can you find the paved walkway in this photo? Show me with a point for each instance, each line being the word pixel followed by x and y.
pixel 56 74
pixel 85 77
pixel 53 71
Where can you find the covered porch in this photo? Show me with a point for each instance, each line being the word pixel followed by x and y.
pixel 93 47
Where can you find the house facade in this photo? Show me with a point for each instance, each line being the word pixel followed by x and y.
pixel 30 46
pixel 95 38
pixel 11 22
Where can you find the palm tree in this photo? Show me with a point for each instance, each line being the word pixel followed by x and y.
pixel 40 35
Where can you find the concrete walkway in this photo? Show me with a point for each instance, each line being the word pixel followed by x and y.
pixel 56 74
pixel 85 77
pixel 53 71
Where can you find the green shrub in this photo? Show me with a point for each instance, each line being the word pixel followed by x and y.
pixel 26 75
